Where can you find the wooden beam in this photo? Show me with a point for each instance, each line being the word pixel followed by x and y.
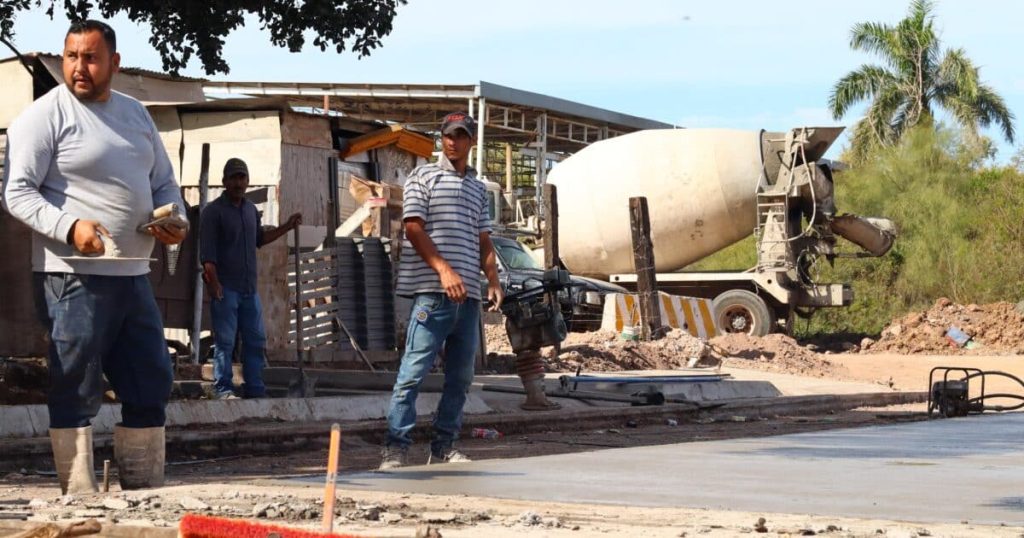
pixel 551 257
pixel 643 264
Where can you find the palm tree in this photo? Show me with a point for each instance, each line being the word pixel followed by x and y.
pixel 917 77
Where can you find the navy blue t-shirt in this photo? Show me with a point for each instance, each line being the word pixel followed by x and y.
pixel 228 237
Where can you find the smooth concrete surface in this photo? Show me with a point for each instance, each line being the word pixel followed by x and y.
pixel 33 420
pixel 947 470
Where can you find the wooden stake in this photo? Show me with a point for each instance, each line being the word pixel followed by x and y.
pixel 106 476
pixel 643 264
pixel 332 477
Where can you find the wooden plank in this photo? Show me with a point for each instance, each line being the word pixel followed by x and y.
pixel 317 341
pixel 311 337
pixel 643 264
pixel 305 130
pixel 315 328
pixel 317 294
pixel 326 293
pixel 321 308
pixel 328 274
pixel 317 254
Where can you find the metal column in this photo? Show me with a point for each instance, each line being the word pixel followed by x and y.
pixel 541 171
pixel 480 151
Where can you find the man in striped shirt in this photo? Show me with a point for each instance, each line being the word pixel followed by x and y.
pixel 447 242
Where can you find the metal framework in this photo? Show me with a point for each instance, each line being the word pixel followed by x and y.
pixel 538 129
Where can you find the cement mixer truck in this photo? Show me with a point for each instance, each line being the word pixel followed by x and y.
pixel 707 189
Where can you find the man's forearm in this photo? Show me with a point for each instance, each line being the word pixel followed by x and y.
pixel 488 259
pixel 425 247
pixel 273 234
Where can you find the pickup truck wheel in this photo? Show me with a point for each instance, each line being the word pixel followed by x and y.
pixel 740 311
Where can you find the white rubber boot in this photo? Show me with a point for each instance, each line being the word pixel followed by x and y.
pixel 140 457
pixel 536 400
pixel 72 455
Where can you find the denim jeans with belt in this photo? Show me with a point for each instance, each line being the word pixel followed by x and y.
pixel 230 315
pixel 104 326
pixel 435 322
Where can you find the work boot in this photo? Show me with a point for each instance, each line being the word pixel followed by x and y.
pixel 140 456
pixel 394 457
pixel 72 455
pixel 536 400
pixel 447 455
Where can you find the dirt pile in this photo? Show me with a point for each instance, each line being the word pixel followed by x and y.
pixel 601 351
pixel 996 328
pixel 773 353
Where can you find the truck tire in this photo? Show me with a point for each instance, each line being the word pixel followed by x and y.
pixel 740 311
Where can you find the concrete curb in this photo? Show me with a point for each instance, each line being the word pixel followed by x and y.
pixel 27 421
pixel 255 438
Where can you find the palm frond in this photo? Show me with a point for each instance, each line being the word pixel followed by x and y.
pixel 992 109
pixel 957 75
pixel 857 85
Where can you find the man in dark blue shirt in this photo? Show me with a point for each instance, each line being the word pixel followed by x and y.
pixel 230 233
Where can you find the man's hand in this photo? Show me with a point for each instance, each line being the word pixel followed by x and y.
pixel 85 236
pixel 453 285
pixel 294 221
pixel 495 295
pixel 213 286
pixel 168 235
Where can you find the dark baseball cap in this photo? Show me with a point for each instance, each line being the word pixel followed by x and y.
pixel 459 120
pixel 235 166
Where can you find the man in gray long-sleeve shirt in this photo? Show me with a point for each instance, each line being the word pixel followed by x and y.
pixel 85 168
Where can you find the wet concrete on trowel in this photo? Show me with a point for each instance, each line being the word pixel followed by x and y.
pixel 948 470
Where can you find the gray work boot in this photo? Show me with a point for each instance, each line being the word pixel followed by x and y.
pixel 536 400
pixel 72 455
pixel 140 456
pixel 447 455
pixel 394 457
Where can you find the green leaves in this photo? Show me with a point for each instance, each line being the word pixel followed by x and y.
pixel 916 76
pixel 184 29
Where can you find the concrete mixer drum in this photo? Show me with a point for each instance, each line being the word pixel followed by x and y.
pixel 708 189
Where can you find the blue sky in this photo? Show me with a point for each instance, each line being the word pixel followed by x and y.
pixel 729 63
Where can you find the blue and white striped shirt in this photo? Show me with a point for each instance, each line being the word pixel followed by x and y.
pixel 454 209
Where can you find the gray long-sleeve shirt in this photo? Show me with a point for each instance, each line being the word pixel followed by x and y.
pixel 103 161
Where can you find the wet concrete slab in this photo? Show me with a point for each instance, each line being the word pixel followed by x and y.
pixel 947 470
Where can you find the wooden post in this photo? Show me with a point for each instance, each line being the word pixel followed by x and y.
pixel 643 264
pixel 550 227
pixel 197 295
pixel 551 255
pixel 333 201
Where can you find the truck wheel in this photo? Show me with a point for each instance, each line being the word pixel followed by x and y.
pixel 740 311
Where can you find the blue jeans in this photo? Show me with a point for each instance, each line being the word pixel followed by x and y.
pixel 233 314
pixel 435 321
pixel 103 326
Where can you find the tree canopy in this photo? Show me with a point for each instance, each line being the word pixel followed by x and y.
pixel 917 76
pixel 183 29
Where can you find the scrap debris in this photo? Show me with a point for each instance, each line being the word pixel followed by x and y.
pixel 948 328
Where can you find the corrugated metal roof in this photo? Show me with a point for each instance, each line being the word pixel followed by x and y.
pixel 441 95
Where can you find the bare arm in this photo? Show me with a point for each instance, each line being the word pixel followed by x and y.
pixel 273 234
pixel 415 231
pixel 489 263
pixel 212 282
